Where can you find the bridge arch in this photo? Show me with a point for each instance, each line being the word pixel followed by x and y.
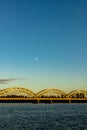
pixel 51 93
pixel 78 94
pixel 16 92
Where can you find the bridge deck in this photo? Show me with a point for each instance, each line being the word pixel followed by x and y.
pixel 44 99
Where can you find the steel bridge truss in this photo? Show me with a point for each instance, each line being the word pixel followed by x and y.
pixel 78 94
pixel 51 93
pixel 20 92
pixel 16 92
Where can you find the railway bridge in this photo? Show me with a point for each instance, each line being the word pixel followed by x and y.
pixel 19 94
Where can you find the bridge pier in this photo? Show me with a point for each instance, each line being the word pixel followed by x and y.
pixel 51 101
pixel 38 101
pixel 69 101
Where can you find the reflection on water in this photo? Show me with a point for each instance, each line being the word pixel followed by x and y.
pixel 43 116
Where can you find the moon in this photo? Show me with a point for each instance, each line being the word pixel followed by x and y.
pixel 36 59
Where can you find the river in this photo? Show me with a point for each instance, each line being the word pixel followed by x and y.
pixel 25 116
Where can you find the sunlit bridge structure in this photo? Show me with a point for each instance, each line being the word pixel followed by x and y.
pixel 78 94
pixel 20 94
pixel 51 93
pixel 16 92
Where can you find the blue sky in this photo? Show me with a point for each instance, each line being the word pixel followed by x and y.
pixel 53 31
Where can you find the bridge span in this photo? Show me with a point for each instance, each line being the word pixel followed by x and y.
pixel 18 94
pixel 44 100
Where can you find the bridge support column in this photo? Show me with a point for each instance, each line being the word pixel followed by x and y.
pixel 51 101
pixel 38 101
pixel 69 101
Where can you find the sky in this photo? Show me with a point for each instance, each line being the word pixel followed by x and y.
pixel 43 44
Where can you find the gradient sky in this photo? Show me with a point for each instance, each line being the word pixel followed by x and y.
pixel 43 44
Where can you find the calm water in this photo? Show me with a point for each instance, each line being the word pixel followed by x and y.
pixel 43 116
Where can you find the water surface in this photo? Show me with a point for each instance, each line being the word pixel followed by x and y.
pixel 24 116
